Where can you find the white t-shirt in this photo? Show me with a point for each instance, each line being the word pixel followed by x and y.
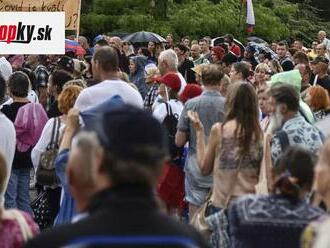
pixel 7 144
pixel 43 141
pixel 96 94
pixel 160 111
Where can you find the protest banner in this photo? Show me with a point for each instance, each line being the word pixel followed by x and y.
pixel 70 7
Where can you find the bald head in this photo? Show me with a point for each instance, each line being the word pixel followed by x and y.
pixel 195 51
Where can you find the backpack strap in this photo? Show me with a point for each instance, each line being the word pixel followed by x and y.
pixel 168 108
pixel 284 139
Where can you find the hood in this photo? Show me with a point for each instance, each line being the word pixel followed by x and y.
pixel 290 77
pixel 141 62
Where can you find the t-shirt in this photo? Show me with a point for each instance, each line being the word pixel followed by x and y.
pixel 94 95
pixel 236 50
pixel 160 111
pixel 53 110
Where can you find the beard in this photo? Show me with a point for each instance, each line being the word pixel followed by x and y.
pixel 276 121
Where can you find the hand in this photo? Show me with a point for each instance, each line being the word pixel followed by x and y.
pixel 196 122
pixel 73 119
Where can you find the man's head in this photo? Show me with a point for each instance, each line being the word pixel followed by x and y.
pixel 186 41
pixel 18 84
pixel 300 58
pixel 204 45
pixel 322 35
pixel 32 60
pixel 321 49
pixel 181 51
pixel 85 153
pixel 99 44
pixel 314 45
pixel 212 75
pixel 284 104
pixel 240 71
pixel 320 65
pixel 169 39
pixel 104 61
pixel 57 80
pixel 83 42
pixel 167 62
pixel 297 44
pixel 116 42
pixel 195 51
pixel 131 157
pixel 305 72
pixel 281 49
pixel 229 38
pixel 249 52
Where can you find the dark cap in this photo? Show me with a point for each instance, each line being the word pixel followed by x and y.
pixel 250 49
pixel 130 133
pixel 66 63
pixel 320 59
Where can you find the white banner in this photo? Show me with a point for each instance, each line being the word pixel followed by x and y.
pixel 32 32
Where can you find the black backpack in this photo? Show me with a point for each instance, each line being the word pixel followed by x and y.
pixel 170 122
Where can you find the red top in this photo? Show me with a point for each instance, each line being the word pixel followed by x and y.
pixel 236 50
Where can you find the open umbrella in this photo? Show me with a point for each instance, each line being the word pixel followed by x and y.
pixel 143 37
pixel 74 46
pixel 256 40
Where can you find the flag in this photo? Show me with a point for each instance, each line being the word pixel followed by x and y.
pixel 250 19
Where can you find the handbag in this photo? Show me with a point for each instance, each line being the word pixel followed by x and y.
pixel 264 184
pixel 42 211
pixel 46 174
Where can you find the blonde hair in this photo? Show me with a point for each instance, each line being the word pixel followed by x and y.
pixel 262 67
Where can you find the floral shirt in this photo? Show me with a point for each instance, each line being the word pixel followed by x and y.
pixel 300 133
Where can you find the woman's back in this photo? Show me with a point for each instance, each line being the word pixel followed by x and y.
pixel 233 173
pixel 269 221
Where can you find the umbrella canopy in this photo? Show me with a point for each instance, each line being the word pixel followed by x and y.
pixel 256 39
pixel 74 46
pixel 262 48
pixel 143 37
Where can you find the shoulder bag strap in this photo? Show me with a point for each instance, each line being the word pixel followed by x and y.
pixel 51 142
pixel 58 122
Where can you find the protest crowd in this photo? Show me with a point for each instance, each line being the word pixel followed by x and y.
pixel 194 143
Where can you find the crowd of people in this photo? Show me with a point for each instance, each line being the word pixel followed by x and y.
pixel 188 144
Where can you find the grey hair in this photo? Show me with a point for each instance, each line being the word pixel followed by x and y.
pixel 169 56
pixel 88 144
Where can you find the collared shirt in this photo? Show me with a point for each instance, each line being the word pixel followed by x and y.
pixel 201 60
pixel 300 133
pixel 210 108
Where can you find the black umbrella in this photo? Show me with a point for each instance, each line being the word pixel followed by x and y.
pixel 143 37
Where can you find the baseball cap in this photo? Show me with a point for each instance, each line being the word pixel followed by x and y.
pixel 320 59
pixel 190 91
pixel 250 49
pixel 120 133
pixel 171 80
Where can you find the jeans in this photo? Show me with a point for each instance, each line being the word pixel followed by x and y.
pixel 17 194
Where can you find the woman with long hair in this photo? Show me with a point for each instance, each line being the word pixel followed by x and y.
pixel 234 150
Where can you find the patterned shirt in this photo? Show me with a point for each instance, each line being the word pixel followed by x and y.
pixel 300 133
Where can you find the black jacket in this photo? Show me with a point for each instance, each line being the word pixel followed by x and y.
pixel 186 72
pixel 121 212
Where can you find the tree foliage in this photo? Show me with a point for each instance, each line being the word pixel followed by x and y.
pixel 275 19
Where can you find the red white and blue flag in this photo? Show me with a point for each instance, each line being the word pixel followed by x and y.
pixel 250 19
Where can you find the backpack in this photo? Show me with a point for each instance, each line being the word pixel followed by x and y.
pixel 46 174
pixel 170 122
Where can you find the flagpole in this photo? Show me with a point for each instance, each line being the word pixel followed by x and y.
pixel 240 17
